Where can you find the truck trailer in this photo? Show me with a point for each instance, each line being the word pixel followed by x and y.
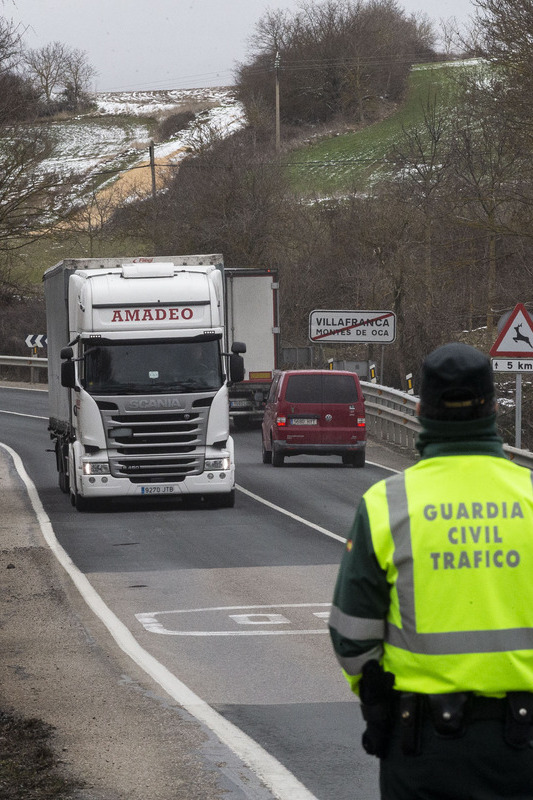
pixel 252 316
pixel 139 377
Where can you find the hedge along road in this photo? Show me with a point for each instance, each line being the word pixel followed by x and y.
pixel 234 602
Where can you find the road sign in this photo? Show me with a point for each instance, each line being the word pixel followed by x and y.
pixel 512 365
pixel 352 327
pixel 36 340
pixel 516 337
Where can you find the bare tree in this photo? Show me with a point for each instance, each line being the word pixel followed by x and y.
pixel 504 33
pixel 336 58
pixel 46 67
pixel 56 68
pixel 77 77
pixel 10 45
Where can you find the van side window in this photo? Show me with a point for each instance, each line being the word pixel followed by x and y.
pixel 273 389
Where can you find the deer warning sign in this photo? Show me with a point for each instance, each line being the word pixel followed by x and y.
pixel 516 337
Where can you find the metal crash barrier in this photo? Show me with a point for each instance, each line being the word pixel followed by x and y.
pixel 38 367
pixel 391 417
pixel 390 413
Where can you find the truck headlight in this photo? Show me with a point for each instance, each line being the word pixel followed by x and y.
pixel 95 468
pixel 218 463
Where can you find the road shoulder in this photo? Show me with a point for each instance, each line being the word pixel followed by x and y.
pixel 115 730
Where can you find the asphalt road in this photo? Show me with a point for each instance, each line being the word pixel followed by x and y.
pixel 233 602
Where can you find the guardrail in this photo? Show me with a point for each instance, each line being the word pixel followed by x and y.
pixel 35 364
pixel 391 414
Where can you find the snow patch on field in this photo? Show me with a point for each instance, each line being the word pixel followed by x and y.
pixel 116 136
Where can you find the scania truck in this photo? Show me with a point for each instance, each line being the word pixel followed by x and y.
pixel 138 376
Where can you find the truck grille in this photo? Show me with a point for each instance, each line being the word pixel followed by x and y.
pixel 151 446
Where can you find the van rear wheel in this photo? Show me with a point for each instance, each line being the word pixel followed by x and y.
pixel 266 454
pixel 354 459
pixel 278 459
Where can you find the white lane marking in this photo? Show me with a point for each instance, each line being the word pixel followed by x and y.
pixel 277 778
pixel 18 414
pixel 22 388
pixel 301 519
pixel 149 620
pixel 290 514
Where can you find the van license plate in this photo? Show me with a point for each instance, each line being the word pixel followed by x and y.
pixel 303 421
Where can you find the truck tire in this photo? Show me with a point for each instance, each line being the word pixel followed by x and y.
pixel 225 500
pixel 62 476
pixel 80 503
pixel 63 481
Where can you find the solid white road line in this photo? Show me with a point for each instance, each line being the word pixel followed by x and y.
pixel 18 414
pixel 277 778
pixel 290 514
pixel 309 524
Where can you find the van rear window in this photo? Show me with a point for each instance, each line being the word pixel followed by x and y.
pixel 321 389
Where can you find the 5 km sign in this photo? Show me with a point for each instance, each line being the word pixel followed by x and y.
pixel 352 326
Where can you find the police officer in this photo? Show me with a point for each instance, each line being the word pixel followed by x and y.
pixel 432 618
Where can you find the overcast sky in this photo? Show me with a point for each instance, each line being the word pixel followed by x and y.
pixel 166 44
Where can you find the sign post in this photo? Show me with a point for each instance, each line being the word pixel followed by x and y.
pixel 513 352
pixel 353 327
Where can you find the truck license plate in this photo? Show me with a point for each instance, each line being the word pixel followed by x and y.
pixel 303 421
pixel 157 489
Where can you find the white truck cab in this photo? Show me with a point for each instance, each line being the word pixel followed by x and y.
pixel 138 378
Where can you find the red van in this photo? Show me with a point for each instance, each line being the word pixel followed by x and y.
pixel 314 412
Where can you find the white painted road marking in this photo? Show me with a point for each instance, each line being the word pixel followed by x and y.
pixel 151 620
pixel 18 414
pixel 307 522
pixel 290 514
pixel 282 783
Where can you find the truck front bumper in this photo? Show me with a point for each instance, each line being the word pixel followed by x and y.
pixel 212 482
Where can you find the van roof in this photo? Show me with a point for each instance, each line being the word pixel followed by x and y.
pixel 318 372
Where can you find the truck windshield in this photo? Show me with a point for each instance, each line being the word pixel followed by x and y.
pixel 152 367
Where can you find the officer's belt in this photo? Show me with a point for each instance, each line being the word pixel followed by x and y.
pixel 450 715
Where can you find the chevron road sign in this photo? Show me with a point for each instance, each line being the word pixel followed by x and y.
pixel 36 340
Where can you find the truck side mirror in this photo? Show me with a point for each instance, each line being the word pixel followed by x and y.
pixel 68 374
pixel 236 368
pixel 238 347
pixel 66 352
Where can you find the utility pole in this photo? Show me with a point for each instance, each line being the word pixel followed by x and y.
pixel 276 70
pixel 154 204
pixel 152 167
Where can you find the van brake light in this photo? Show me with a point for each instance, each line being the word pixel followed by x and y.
pixel 281 421
pixel 361 422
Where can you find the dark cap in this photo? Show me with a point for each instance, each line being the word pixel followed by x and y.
pixel 456 381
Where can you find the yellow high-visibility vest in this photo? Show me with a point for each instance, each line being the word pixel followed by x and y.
pixel 455 537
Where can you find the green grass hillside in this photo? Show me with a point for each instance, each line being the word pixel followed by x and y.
pixel 357 160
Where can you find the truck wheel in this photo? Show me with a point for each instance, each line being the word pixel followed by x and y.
pixel 278 459
pixel 80 503
pixel 62 477
pixel 266 454
pixel 226 500
pixel 63 482
pixel 240 423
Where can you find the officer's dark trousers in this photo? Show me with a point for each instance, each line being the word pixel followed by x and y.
pixel 477 766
